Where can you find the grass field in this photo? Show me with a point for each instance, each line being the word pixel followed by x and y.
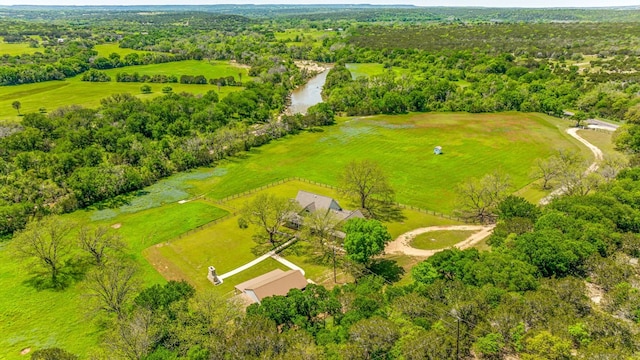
pixel 17 48
pixel 434 240
pixel 601 139
pixel 473 144
pixel 372 69
pixel 41 318
pixel 226 246
pixel 54 94
pixel 105 50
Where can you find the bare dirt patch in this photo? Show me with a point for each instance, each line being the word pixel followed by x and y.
pixel 25 351
pixel 116 226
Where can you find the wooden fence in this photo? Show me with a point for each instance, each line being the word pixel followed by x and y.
pixel 295 178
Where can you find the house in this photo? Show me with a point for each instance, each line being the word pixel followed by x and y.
pixel 437 150
pixel 276 282
pixel 311 203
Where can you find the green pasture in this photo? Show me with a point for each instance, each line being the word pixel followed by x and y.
pixel 434 240
pixel 54 94
pixel 372 69
pixel 473 144
pixel 305 36
pixel 14 49
pixel 105 50
pixel 32 318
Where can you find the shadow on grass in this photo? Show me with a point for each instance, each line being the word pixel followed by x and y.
pixel 73 272
pixel 388 269
pixel 388 213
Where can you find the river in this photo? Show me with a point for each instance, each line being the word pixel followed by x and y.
pixel 308 94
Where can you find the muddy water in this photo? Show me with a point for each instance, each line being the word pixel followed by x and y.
pixel 308 94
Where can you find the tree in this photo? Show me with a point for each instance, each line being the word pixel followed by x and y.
pixel 167 89
pixel 17 105
pixel 366 182
pixel 135 336
pixel 579 116
pixel 478 199
pixel 98 241
pixel 145 89
pixel 321 226
pixel 112 286
pixel 270 213
pixel 547 170
pixel 46 245
pixel 364 239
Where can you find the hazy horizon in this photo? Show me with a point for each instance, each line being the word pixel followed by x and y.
pixel 423 3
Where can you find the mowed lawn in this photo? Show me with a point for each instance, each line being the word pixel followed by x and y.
pixel 474 145
pixel 54 94
pixel 434 240
pixel 31 318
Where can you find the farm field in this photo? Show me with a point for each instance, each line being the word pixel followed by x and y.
pixel 473 145
pixel 105 50
pixel 17 48
pixel 371 69
pixel 54 94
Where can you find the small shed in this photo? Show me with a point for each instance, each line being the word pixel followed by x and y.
pixel 437 150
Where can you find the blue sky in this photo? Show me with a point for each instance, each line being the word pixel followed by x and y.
pixel 486 3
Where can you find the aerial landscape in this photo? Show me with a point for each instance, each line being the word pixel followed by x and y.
pixel 319 181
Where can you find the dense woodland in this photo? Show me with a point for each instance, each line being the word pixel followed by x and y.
pixel 529 296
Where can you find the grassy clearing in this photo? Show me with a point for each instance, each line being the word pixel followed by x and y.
pixel 372 69
pixel 435 240
pixel 54 94
pixel 473 144
pixel 33 318
pixel 14 49
pixel 105 50
pixel 601 139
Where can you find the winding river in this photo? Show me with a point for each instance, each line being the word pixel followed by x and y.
pixel 308 94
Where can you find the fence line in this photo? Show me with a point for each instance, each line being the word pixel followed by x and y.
pixel 295 178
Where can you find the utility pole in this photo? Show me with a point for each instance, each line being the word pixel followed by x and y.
pixel 454 313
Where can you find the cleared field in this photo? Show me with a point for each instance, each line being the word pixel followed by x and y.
pixel 473 144
pixel 107 49
pixel 41 318
pixel 17 48
pixel 54 94
pixel 434 240
pixel 371 69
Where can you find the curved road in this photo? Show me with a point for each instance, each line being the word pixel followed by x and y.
pixel 401 244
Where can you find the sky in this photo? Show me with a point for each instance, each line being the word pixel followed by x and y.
pixel 484 3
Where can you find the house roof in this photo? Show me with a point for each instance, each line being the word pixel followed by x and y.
pixel 312 202
pixel 276 282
